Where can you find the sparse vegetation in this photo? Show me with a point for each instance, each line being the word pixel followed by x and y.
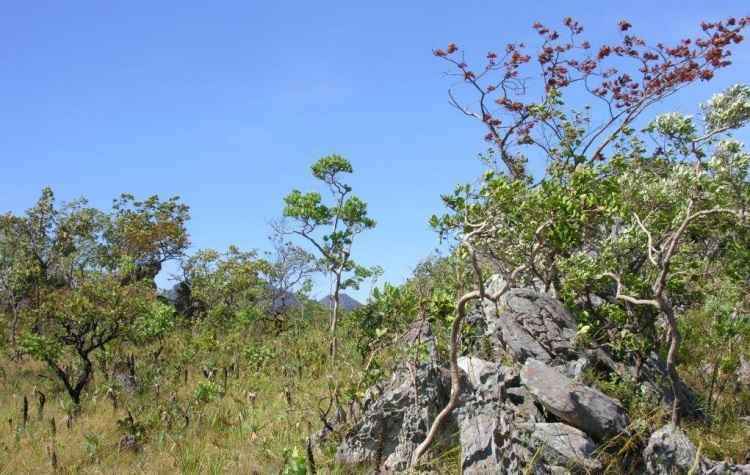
pixel 638 225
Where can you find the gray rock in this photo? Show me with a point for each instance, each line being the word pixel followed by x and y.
pixel 494 284
pixel 524 404
pixel 396 422
pixel 479 414
pixel 532 325
pixel 495 433
pixel 669 451
pixel 565 446
pixel 743 373
pixel 495 440
pixel 575 369
pixel 583 407
pixel 479 423
pixel 482 373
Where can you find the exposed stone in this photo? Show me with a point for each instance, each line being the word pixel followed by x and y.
pixel 574 403
pixel 525 404
pixel 396 422
pixel 669 451
pixel 565 446
pixel 532 325
pixel 478 416
pixel 497 428
pixel 575 369
pixel 482 373
pixel 478 424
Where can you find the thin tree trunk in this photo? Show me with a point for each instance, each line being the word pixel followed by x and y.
pixel 334 318
pixel 674 343
pixel 455 376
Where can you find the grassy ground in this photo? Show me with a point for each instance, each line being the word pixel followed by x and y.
pixel 255 421
pixel 188 426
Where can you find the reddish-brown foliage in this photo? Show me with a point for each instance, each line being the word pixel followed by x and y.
pixel 627 76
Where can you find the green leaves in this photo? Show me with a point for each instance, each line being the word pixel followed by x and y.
pixel 224 284
pixel 40 347
pixel 207 391
pixel 156 322
pixel 331 228
pixel 354 214
pixel 85 277
pixel 675 126
pixel 387 311
pixel 329 167
pixel 149 232
pixel 626 216
pixel 729 109
pixel 307 207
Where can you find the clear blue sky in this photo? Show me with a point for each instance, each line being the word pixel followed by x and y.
pixel 228 103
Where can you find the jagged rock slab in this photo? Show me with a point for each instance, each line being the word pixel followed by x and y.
pixel 395 423
pixel 478 416
pixel 582 407
pixel 652 380
pixel 482 373
pixel 565 446
pixel 524 404
pixel 531 325
pixel 669 451
pixel 478 425
pixel 498 433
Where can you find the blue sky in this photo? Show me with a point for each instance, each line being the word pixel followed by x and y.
pixel 228 103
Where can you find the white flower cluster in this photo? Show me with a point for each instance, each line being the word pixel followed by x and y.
pixel 729 109
pixel 730 159
pixel 674 125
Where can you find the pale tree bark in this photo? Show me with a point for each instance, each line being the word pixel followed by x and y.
pixel 661 257
pixel 455 371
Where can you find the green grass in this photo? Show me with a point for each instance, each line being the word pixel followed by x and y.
pixel 242 428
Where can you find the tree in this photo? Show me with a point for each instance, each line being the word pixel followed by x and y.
pixel 72 323
pixel 147 233
pixel 332 229
pixel 223 285
pixel 621 215
pixel 80 288
pixel 16 276
pixel 288 270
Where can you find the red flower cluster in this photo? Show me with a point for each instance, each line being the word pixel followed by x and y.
pixel 643 74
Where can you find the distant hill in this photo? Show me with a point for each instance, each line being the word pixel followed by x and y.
pixel 345 302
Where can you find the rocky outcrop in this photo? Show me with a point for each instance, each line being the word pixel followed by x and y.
pixel 479 416
pixel 479 427
pixel 393 419
pixel 565 447
pixel 397 420
pixel 532 325
pixel 670 451
pixel 532 413
pixel 574 403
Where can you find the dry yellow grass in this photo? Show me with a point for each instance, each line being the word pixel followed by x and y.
pixel 233 433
